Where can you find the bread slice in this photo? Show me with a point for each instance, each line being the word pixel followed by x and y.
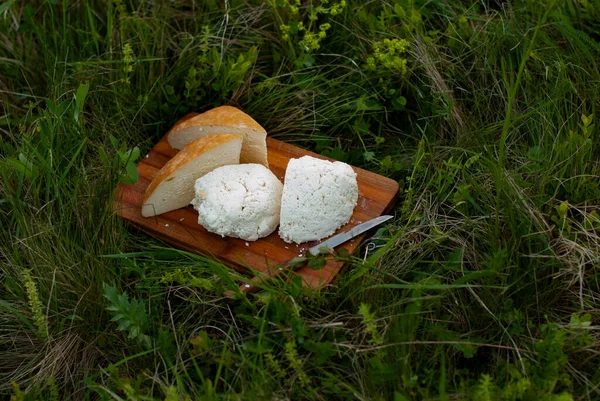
pixel 223 120
pixel 173 186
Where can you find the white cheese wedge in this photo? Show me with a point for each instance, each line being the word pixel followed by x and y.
pixel 318 198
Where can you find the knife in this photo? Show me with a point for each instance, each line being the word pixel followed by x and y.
pixel 297 262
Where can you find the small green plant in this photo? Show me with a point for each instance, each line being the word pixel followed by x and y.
pixel 274 366
pixel 389 55
pixel 549 373
pixel 45 391
pixel 370 325
pixel 187 278
pixel 17 393
pixel 560 217
pixel 123 162
pixel 387 64
pixel 172 393
pixel 587 127
pixel 213 75
pixel 304 31
pixel 485 391
pixel 80 97
pixel 201 343
pixel 127 63
pixel 35 305
pixel 580 322
pixel 388 165
pixel 291 354
pixel 53 389
pixel 131 316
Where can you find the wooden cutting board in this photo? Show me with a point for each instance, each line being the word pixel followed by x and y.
pixel 180 228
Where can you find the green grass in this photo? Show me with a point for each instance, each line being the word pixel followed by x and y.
pixel 484 287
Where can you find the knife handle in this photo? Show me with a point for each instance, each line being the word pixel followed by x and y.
pixel 252 285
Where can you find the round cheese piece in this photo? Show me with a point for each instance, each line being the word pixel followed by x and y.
pixel 241 201
pixel 318 197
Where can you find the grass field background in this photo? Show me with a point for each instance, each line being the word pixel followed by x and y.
pixel 485 286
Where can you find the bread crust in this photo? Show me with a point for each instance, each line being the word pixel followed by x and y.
pixel 183 119
pixel 187 154
pixel 221 116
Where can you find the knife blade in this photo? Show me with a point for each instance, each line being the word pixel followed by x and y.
pixel 348 235
pixel 292 264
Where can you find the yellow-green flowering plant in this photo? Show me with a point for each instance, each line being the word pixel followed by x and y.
pixel 389 54
pixel 303 28
pixel 35 305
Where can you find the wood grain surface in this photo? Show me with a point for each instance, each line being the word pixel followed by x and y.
pixel 180 228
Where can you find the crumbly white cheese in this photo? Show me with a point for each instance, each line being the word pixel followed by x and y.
pixel 240 201
pixel 318 198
